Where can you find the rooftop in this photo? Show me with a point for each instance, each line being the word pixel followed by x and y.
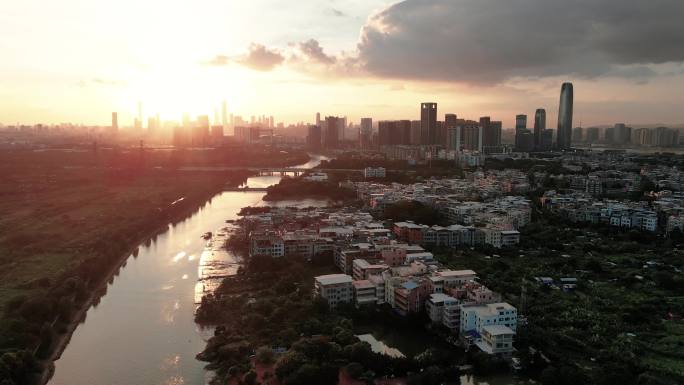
pixel 333 279
pixel 497 330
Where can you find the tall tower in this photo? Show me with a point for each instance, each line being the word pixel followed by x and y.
pixel 115 122
pixel 140 114
pixel 224 114
pixel 539 126
pixel 428 123
pixel 564 140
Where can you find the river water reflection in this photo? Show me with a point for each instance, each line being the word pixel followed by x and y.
pixel 142 332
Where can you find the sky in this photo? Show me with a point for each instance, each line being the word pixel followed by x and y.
pixel 79 60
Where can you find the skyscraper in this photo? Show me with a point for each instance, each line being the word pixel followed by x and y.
pixel 115 122
pixel 314 138
pixel 577 135
pixel 520 121
pixel 539 126
pixel 224 114
pixel 394 132
pixel 331 136
pixel 592 135
pixel 564 140
pixel 521 132
pixel 450 121
pixel 365 133
pixel 200 133
pixel 471 136
pixel 415 132
pixel 140 115
pixel 428 123
pixel 491 136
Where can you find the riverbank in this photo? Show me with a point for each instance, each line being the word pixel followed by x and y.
pixel 63 340
pixel 300 189
pixel 64 232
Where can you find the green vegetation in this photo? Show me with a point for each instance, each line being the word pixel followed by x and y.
pixel 398 171
pixel 270 304
pixel 622 325
pixel 297 188
pixel 413 211
pixel 65 227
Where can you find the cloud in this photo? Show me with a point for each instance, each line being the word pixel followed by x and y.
pixel 312 50
pixel 219 61
pixel 261 58
pixel 102 82
pixel 484 42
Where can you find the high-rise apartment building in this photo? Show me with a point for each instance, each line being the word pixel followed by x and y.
pixel 365 133
pixel 577 134
pixel 415 132
pixel 394 132
pixel 491 135
pixel 331 132
pixel 314 137
pixel 592 135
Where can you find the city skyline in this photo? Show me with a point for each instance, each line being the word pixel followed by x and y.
pixel 341 59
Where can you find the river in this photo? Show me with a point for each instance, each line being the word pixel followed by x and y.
pixel 142 331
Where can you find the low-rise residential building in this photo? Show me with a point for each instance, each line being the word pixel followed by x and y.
pixel 443 309
pixel 266 244
pixel 476 320
pixel 496 339
pixel 361 269
pixel 364 293
pixel 334 289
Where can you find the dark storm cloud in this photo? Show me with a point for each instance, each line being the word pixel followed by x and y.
pixel 488 41
pixel 313 51
pixel 261 58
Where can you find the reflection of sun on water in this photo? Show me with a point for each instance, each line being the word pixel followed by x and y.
pixel 178 256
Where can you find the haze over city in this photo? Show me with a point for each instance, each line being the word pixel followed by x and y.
pixel 342 192
pixel 76 62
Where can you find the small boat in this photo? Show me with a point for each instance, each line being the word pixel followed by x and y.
pixel 207 235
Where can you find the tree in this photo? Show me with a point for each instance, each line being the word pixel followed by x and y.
pixel 288 363
pixel 264 355
pixel 354 370
pixel 249 378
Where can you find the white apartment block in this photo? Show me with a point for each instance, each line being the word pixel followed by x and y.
pixel 334 288
pixel 374 172
pixel 496 339
pixel 475 318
